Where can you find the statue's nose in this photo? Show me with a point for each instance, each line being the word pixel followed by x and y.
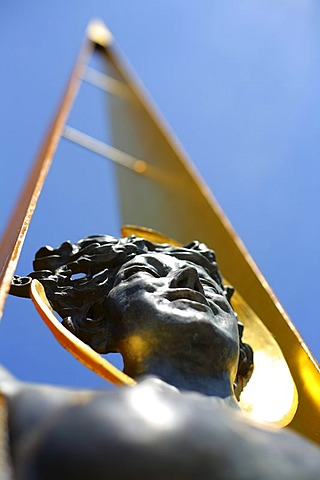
pixel 187 277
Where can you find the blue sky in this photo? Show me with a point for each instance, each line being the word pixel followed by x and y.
pixel 238 82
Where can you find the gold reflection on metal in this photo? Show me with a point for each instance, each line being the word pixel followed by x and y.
pixel 136 344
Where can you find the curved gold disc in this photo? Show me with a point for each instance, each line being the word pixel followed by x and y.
pixel 148 234
pixel 82 352
pixel 271 394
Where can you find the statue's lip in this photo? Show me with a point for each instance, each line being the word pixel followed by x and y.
pixel 186 294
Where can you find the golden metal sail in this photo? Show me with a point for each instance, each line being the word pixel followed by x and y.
pixel 160 189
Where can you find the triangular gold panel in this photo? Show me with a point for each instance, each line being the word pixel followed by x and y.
pixel 170 197
pixel 161 190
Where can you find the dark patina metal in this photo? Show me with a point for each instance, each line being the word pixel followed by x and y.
pixel 166 310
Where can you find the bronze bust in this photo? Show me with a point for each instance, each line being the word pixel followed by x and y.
pixel 166 310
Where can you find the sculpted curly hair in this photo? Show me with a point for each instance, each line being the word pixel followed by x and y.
pixel 78 277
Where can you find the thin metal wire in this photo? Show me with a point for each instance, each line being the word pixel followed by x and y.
pixel 117 156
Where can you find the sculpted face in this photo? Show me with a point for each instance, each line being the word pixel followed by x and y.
pixel 173 307
pixel 146 301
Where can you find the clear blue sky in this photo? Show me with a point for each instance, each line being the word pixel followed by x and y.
pixel 238 82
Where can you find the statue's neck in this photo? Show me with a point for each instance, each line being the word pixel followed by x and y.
pixel 212 386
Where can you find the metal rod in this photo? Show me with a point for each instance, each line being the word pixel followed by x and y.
pixel 106 83
pixel 117 156
pixel 17 227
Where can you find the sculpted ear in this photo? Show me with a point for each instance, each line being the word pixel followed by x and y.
pixel 245 368
pixel 95 332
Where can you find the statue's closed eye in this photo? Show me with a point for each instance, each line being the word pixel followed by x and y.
pixel 207 283
pixel 134 269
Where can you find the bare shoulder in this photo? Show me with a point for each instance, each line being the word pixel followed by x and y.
pixel 150 431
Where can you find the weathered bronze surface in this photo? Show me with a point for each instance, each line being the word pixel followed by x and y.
pixel 166 310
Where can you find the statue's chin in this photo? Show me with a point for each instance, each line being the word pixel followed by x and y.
pixel 197 347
